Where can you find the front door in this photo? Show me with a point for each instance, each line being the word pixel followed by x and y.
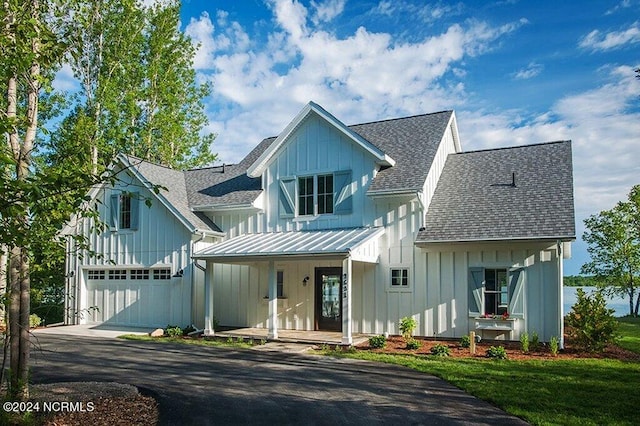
pixel 328 300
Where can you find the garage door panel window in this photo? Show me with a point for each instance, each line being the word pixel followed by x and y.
pixel 118 274
pixel 162 274
pixel 96 274
pixel 139 274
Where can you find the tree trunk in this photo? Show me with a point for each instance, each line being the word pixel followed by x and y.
pixel 635 312
pixel 3 283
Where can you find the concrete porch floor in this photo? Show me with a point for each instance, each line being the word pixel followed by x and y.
pixel 292 336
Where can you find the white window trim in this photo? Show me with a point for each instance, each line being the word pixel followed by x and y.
pixel 400 289
pixel 315 196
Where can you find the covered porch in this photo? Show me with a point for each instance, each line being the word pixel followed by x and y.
pixel 329 256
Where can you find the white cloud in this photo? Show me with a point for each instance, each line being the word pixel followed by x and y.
pixel 624 4
pixel 327 10
pixel 64 80
pixel 532 70
pixel 598 41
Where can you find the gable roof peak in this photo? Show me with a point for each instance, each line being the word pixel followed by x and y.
pixel 260 164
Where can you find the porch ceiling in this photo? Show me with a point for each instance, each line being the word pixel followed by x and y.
pixel 360 243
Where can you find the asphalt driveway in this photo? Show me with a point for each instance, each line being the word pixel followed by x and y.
pixel 221 386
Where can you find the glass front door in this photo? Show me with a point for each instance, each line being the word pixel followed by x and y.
pixel 328 300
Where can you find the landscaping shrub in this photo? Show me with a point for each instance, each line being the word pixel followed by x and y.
pixel 554 345
pixel 497 352
pixel 524 342
pixel 173 331
pixel 188 329
pixel 440 350
pixel 413 344
pixel 591 324
pixel 535 341
pixel 465 341
pixel 407 327
pixel 377 342
pixel 34 321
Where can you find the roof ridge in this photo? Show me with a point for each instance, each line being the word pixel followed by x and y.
pixel 153 163
pixel 512 147
pixel 195 169
pixel 401 118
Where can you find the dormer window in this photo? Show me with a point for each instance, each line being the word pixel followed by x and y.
pixel 329 193
pixel 315 195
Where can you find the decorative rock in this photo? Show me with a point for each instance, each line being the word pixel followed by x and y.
pixel 158 332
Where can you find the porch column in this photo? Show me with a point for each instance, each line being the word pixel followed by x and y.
pixel 273 302
pixel 347 337
pixel 560 255
pixel 208 300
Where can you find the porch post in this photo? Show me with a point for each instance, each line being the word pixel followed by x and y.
pixel 273 302
pixel 560 255
pixel 347 337
pixel 208 300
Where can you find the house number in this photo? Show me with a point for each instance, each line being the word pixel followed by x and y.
pixel 344 286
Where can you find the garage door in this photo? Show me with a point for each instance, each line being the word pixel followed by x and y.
pixel 129 297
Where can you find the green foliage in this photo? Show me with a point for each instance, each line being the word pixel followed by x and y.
pixel 580 281
pixel 440 350
pixel 524 342
pixel 591 324
pixel 497 352
pixel 173 331
pixel 413 344
pixel 465 341
pixel 407 327
pixel 613 243
pixel 535 341
pixel 34 321
pixel 554 345
pixel 377 342
pixel 215 323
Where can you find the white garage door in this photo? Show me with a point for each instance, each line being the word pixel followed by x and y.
pixel 129 297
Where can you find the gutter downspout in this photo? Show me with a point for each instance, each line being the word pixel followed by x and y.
pixel 560 291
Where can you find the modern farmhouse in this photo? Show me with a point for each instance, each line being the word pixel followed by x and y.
pixel 336 227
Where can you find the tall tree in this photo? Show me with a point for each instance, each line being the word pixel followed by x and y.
pixel 613 243
pixel 140 95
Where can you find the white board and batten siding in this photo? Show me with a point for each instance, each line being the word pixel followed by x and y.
pixel 160 241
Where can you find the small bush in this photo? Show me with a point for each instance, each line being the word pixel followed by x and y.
pixel 497 352
pixel 34 321
pixel 440 350
pixel 524 342
pixel 413 344
pixel 377 342
pixel 554 345
pixel 407 327
pixel 173 331
pixel 465 341
pixel 592 324
pixel 215 323
pixel 535 341
pixel 229 339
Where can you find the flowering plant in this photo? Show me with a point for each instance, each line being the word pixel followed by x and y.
pixel 505 315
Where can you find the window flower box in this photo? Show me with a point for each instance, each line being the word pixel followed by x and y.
pixel 497 322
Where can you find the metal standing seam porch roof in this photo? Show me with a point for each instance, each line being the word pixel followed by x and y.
pixel 292 243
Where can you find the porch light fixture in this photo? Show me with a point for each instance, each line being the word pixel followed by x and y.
pixel 179 273
pixel 305 280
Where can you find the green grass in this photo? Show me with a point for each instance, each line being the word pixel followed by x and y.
pixel 197 342
pixel 542 392
pixel 630 332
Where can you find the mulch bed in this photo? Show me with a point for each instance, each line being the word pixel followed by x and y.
pixel 138 410
pixel 397 345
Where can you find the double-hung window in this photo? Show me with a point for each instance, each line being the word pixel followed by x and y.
pixel 124 211
pixel 315 195
pixel 327 193
pixel 496 291
pixel 496 295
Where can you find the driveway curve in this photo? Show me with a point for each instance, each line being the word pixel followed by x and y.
pixel 222 386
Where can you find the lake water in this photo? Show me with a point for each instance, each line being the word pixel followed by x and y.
pixel 621 305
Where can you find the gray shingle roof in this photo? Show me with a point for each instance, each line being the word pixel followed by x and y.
pixel 176 193
pixel 475 198
pixel 412 142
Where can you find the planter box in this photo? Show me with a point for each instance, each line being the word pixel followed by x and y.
pixel 497 324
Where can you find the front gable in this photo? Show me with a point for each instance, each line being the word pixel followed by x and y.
pixel 318 176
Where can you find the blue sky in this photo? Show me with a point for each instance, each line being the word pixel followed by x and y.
pixel 515 72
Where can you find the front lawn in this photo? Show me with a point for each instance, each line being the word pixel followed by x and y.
pixel 567 391
pixel 630 333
